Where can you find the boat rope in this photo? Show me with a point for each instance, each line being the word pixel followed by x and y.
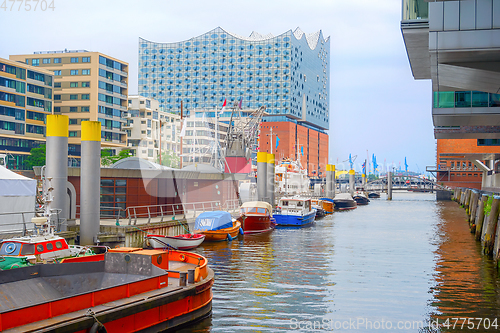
pixel 98 327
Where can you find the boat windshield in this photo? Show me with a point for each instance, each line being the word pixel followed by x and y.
pixel 253 210
pixel 28 249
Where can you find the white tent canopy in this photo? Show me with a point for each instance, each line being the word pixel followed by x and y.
pixel 17 195
pixel 12 184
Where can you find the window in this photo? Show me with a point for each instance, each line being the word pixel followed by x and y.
pixel 85 59
pixel 85 109
pixel 85 84
pixel 85 71
pixel 73 96
pixel 73 109
pixel 58 73
pixel 73 84
pixel 85 96
pixel 74 72
pixel 57 97
pixel 57 84
pixel 46 60
pixel 57 109
pixel 73 133
pixel 35 62
pixel 73 121
pixel 75 59
pixel 57 60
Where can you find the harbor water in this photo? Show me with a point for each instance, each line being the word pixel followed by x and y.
pixel 406 265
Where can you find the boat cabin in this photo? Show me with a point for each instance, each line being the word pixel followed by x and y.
pixel 295 205
pixel 256 208
pixel 25 247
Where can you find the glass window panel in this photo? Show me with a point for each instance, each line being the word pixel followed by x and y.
pixel 463 99
pixel 479 99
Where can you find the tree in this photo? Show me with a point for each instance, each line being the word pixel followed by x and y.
pixel 169 159
pixel 108 159
pixel 36 158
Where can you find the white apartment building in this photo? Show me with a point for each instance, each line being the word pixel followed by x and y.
pixel 145 124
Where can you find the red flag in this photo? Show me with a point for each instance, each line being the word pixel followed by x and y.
pixel 223 107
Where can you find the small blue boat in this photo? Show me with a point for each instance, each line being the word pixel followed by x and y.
pixel 294 212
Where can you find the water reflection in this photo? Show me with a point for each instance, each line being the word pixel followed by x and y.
pixel 467 283
pixel 409 260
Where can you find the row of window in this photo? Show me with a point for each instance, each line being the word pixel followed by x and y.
pixel 20 73
pixel 465 99
pixel 57 109
pixel 75 84
pixel 47 79
pixel 36 62
pixel 73 97
pixel 18 114
pixel 111 63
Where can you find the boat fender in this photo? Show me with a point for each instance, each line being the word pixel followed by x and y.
pixel 229 238
pixel 241 231
pixel 98 328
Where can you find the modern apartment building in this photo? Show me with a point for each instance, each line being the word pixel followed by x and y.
pixel 288 74
pixel 456 44
pixel 26 97
pixel 149 129
pixel 87 86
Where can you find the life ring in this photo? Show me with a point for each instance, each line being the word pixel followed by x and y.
pixel 182 257
pixel 11 247
pixel 98 328
pixel 14 266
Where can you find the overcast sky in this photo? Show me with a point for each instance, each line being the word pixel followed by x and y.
pixel 376 106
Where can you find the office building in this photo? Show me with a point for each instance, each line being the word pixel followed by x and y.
pixel 87 86
pixel 26 97
pixel 456 45
pixel 288 74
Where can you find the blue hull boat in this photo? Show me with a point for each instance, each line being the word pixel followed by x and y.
pixel 294 212
pixel 294 220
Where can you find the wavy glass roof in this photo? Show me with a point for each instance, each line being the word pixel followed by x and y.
pixel 288 74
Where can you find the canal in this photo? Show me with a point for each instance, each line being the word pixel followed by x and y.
pixel 391 266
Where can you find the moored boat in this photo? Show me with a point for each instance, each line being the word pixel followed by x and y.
pixel 256 217
pixel 373 195
pixel 44 247
pixel 217 226
pixel 361 198
pixel 131 290
pixel 294 211
pixel 318 205
pixel 179 242
pixel 344 201
pixel 328 205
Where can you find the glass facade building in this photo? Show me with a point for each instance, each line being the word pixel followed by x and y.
pixel 288 74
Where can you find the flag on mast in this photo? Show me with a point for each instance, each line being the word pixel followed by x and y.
pixel 241 102
pixel 223 108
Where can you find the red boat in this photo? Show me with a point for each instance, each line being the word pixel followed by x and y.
pixel 256 217
pixel 131 290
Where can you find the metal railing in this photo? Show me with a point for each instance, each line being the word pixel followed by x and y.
pixel 183 210
pixel 24 218
pixel 116 212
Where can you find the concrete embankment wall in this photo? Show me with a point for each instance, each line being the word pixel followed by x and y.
pixel 482 208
